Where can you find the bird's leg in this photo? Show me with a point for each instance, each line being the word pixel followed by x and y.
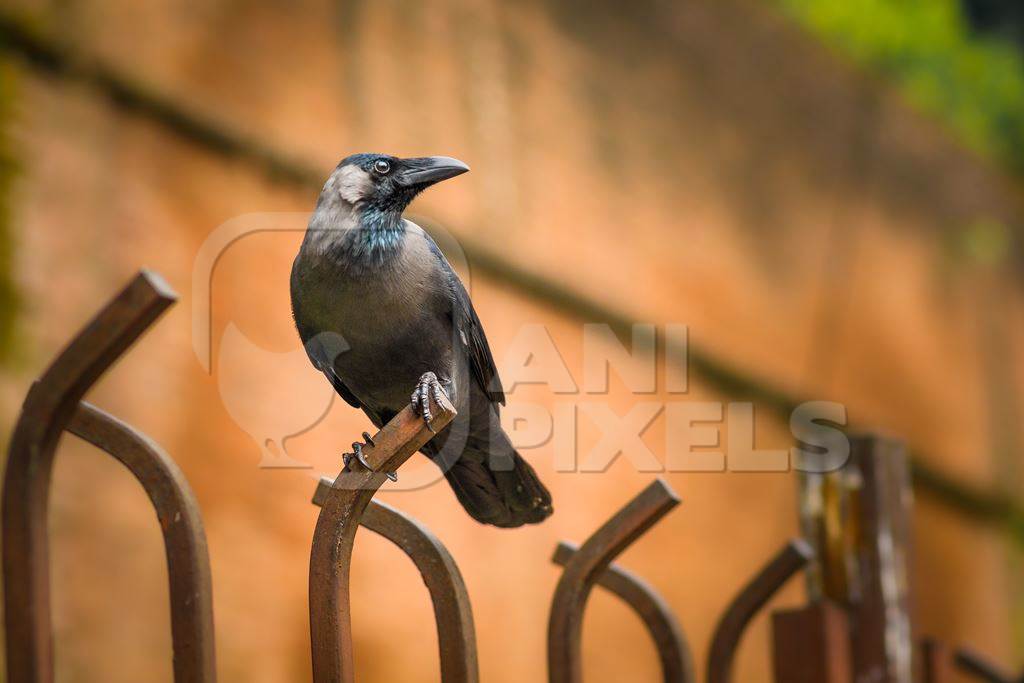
pixel 428 387
pixel 357 454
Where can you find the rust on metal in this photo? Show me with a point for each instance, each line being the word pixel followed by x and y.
pixel 858 519
pixel 341 509
pixel 811 645
pixel 791 559
pixel 453 615
pixel 673 649
pixel 585 569
pixel 47 409
pixel 188 563
pixel 882 641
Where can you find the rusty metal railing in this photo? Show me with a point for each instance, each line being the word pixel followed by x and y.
pixel 835 637
pixel 669 639
pixel 456 637
pixel 787 562
pixel 342 508
pixel 52 406
pixel 585 568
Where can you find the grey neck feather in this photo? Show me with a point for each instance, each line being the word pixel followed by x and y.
pixel 356 235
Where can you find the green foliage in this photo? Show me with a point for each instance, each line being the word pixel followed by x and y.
pixel 974 83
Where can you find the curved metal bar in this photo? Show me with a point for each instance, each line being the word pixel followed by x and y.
pixel 330 619
pixel 48 407
pixel 188 563
pixel 791 559
pixel 456 637
pixel 673 649
pixel 978 667
pixel 585 568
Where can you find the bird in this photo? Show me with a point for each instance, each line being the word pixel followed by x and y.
pixel 380 310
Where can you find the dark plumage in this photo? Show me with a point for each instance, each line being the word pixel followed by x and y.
pixel 381 313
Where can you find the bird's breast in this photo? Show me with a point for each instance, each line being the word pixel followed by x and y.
pixel 394 317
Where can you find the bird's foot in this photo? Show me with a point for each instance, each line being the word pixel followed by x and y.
pixel 428 387
pixel 357 454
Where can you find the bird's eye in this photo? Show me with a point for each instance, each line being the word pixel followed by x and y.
pixel 381 166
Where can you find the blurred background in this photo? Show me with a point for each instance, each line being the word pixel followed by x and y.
pixel 827 192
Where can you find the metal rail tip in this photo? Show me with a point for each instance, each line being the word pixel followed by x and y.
pixel 445 408
pixel 322 488
pixel 344 504
pixel 156 282
pixel 563 553
pixel 802 548
pixel 587 566
pixel 662 486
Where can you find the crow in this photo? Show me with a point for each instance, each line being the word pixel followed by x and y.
pixel 380 310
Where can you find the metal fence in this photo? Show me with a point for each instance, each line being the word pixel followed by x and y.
pixel 855 627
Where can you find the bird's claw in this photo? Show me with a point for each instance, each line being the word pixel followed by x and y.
pixel 357 448
pixel 428 387
pixel 357 454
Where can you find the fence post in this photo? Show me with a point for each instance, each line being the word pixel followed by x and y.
pixel 456 638
pixel 584 569
pixel 811 645
pixel 330 619
pixel 47 409
pixel 673 649
pixel 787 562
pixel 858 519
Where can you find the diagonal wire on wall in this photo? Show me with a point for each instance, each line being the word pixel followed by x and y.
pixel 56 59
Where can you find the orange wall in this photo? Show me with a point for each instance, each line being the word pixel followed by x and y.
pixel 707 166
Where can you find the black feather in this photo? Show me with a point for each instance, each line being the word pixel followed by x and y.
pixel 471 333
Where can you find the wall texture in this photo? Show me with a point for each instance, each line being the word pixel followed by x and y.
pixel 700 163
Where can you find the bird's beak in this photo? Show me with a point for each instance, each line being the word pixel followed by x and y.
pixel 429 170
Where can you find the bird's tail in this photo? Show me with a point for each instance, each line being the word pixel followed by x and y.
pixel 505 496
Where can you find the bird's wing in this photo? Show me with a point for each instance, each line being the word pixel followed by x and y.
pixel 340 387
pixel 323 362
pixel 471 333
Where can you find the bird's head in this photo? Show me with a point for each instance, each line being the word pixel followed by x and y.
pixel 385 183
